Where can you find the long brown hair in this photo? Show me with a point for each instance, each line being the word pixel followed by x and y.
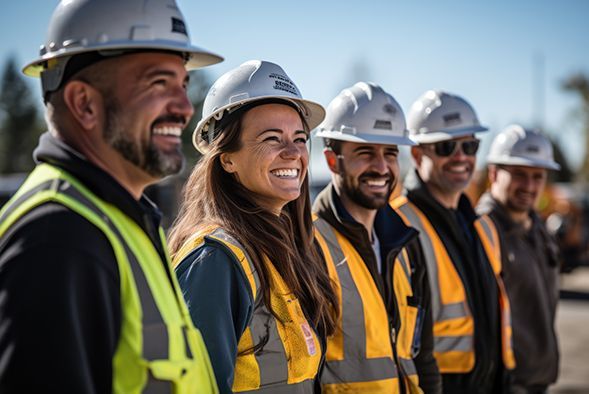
pixel 213 197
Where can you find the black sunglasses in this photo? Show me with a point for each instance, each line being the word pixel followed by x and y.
pixel 447 148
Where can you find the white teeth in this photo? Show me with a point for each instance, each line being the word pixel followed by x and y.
pixel 374 182
pixel 459 168
pixel 168 130
pixel 286 173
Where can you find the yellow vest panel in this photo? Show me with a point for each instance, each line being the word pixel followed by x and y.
pixel 359 357
pixel 453 321
pixel 159 350
pixel 289 360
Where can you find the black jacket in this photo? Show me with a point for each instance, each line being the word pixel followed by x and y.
pixel 60 308
pixel 393 235
pixel 530 261
pixel 455 228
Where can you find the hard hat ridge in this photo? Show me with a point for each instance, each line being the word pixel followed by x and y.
pixel 112 27
pixel 518 146
pixel 437 116
pixel 253 83
pixel 365 113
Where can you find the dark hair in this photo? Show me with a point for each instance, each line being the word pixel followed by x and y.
pixel 334 145
pixel 213 197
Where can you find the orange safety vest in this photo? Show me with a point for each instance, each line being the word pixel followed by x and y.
pixel 453 321
pixel 360 356
pixel 289 360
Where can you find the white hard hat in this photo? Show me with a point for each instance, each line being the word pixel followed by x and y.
pixel 365 113
pixel 438 116
pixel 522 147
pixel 253 81
pixel 111 27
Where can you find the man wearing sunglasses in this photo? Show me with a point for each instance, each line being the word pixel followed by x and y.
pixel 472 333
pixel 519 161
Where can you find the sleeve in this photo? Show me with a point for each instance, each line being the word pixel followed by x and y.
pixel 219 301
pixel 60 310
pixel 430 379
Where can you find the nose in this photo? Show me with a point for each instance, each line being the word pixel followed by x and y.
pixel 181 105
pixel 380 165
pixel 290 151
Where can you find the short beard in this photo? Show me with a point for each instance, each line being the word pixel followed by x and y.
pixel 156 163
pixel 355 194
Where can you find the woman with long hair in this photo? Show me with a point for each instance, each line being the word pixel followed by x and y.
pixel 242 244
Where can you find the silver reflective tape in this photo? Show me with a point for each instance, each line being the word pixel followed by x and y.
pixel 223 235
pixel 453 311
pixel 358 370
pixel 430 258
pixel 305 387
pixel 271 357
pixel 459 344
pixel 353 325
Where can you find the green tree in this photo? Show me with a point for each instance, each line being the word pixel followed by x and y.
pixel 197 91
pixel 20 126
pixel 579 84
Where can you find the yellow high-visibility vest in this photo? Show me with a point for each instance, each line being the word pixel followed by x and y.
pixel 360 356
pixel 159 350
pixel 288 362
pixel 453 321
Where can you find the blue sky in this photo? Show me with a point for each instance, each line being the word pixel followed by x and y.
pixel 481 50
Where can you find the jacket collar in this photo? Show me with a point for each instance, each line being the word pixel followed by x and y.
pixel 390 229
pixel 53 151
pixel 417 192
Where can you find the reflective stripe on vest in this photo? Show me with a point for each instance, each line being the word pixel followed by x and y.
pixel 490 239
pixel 273 368
pixel 348 364
pixel 148 368
pixel 453 321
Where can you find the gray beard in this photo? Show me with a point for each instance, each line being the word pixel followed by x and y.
pixel 156 163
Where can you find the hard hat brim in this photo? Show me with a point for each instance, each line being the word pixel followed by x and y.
pixel 364 138
pixel 315 113
pixel 523 162
pixel 444 135
pixel 197 57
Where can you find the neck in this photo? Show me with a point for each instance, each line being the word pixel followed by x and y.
pixel 446 199
pixel 364 216
pixel 519 217
pixel 129 176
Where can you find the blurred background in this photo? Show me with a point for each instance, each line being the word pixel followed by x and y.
pixel 521 61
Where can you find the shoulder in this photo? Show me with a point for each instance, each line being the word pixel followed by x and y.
pixel 59 234
pixel 211 259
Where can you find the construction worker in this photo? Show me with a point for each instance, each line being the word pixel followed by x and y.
pixel 518 163
pixel 88 301
pixel 384 339
pixel 472 333
pixel 242 242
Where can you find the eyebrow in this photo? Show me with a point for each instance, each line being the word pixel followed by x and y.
pixel 158 72
pixel 306 133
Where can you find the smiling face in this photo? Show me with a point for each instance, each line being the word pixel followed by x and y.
pixel 273 158
pixel 366 174
pixel 145 111
pixel 445 177
pixel 517 187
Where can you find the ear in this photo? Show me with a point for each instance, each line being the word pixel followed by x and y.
pixel 227 162
pixel 84 103
pixel 417 154
pixel 331 159
pixel 492 173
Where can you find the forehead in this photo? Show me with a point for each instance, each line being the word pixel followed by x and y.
pixel 524 170
pixel 144 63
pixel 352 146
pixel 274 115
